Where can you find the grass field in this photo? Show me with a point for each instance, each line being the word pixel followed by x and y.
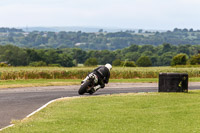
pixel 128 113
pixel 53 76
pixel 16 73
pixel 38 82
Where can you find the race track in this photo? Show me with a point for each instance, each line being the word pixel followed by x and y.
pixel 17 103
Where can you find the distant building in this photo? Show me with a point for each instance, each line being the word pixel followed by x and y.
pixel 78 44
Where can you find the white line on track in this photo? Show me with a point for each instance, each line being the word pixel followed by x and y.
pixel 47 105
pixel 41 109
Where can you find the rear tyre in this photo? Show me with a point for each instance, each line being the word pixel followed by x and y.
pixel 83 88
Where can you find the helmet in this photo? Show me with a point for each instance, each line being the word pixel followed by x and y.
pixel 108 66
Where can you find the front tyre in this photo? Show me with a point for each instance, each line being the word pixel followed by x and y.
pixel 83 88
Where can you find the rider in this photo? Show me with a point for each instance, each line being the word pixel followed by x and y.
pixel 103 74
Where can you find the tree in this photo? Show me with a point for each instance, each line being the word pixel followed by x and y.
pixel 38 64
pixel 191 30
pixel 132 56
pixel 184 49
pixel 116 62
pixel 128 64
pixel 179 59
pixel 79 55
pixel 166 47
pixel 14 56
pixel 140 31
pixel 100 30
pixel 65 60
pixel 144 61
pixel 32 55
pixel 154 60
pixel 177 30
pixel 133 48
pixel 195 60
pixel 147 53
pixel 106 57
pixel 91 62
pixel 146 48
pixel 166 58
pixel 185 30
pixel 51 57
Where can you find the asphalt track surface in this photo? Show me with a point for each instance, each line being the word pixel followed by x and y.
pixel 17 103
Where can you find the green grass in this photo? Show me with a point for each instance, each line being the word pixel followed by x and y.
pixel 62 82
pixel 129 113
pixel 16 73
pixel 32 81
pixel 37 82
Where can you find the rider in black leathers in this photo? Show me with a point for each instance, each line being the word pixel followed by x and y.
pixel 103 74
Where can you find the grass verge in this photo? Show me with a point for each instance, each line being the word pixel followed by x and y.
pixel 140 113
pixel 60 82
pixel 37 82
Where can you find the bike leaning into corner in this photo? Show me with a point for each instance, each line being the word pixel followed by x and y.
pixel 95 80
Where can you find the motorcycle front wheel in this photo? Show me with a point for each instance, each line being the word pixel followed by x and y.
pixel 83 88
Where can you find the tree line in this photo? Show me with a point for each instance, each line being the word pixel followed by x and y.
pixel 96 41
pixel 134 55
pixel 10 30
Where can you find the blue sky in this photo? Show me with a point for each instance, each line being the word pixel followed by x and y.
pixel 135 14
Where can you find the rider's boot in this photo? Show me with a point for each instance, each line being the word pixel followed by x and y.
pixel 94 89
pixel 97 87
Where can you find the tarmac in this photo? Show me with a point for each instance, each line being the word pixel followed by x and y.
pixel 17 103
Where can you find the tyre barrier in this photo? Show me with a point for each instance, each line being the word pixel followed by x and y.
pixel 173 82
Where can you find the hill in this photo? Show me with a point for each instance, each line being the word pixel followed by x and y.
pixel 72 29
pixel 100 40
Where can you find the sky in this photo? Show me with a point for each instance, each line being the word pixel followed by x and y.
pixel 133 14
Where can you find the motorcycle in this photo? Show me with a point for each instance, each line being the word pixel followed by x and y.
pixel 88 84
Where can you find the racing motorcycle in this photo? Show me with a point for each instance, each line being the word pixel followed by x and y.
pixel 88 84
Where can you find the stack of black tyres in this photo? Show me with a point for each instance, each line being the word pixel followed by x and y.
pixel 173 82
